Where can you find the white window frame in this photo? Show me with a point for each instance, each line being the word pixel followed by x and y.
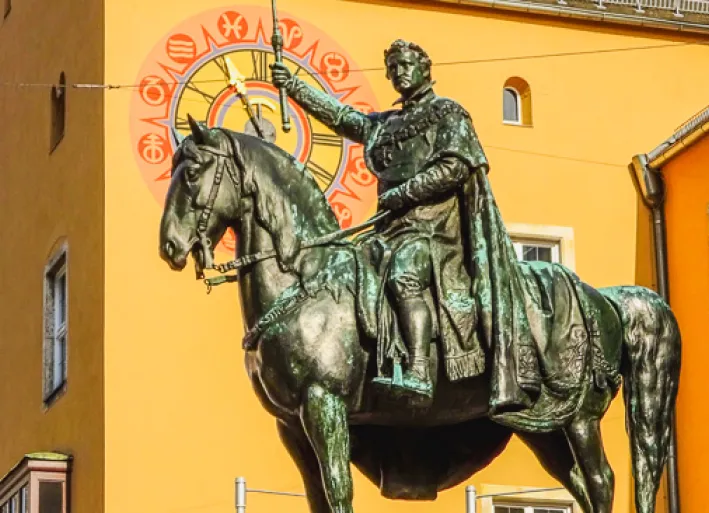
pixel 56 325
pixel 563 236
pixel 530 507
pixel 518 96
pixel 492 495
pixel 555 246
pixel 21 486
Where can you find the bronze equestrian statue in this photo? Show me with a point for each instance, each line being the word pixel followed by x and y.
pixel 415 350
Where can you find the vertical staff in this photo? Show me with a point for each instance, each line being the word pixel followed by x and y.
pixel 277 43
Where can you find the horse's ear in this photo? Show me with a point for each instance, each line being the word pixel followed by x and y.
pixel 177 137
pixel 198 133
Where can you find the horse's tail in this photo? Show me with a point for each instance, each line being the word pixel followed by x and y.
pixel 650 368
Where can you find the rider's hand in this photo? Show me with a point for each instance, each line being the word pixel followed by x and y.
pixel 391 199
pixel 280 74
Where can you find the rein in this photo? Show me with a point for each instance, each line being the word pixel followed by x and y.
pixel 239 263
pixel 330 238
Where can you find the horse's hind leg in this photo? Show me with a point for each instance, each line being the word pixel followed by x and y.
pixel 584 435
pixel 324 417
pixel 554 453
pixel 296 442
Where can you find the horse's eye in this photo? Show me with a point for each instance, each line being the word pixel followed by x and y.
pixel 192 173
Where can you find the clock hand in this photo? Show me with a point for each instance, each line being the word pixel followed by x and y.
pixel 237 84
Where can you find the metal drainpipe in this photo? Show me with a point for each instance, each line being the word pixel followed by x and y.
pixel 654 199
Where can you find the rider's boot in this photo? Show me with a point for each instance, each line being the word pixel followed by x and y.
pixel 417 327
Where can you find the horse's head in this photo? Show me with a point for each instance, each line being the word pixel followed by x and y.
pixel 202 200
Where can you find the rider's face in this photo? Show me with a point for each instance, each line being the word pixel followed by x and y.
pixel 406 72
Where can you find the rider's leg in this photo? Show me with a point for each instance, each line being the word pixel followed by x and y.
pixel 410 276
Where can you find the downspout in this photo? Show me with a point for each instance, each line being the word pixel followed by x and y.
pixel 652 194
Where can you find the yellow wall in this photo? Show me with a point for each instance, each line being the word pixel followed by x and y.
pixel 181 420
pixel 43 199
pixel 688 261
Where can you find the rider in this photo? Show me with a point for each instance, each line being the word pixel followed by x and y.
pixel 424 155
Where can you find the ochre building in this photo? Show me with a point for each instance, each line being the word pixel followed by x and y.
pixel 132 371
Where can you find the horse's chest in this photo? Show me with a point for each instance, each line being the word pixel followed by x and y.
pixel 275 382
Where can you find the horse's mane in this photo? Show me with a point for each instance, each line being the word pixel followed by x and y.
pixel 288 202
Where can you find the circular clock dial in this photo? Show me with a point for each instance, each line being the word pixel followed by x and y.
pixel 207 97
pixel 185 73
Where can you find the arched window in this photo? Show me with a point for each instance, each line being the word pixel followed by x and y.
pixel 517 102
pixel 511 105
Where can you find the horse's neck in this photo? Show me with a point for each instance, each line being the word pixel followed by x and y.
pixel 284 202
pixel 262 282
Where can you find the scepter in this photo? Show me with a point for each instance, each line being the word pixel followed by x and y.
pixel 277 43
pixel 237 84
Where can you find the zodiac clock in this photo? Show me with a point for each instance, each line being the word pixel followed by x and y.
pixel 187 73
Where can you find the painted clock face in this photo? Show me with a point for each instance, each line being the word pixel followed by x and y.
pixel 207 99
pixel 186 74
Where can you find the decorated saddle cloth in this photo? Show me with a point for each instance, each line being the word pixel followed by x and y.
pixel 560 317
pixel 562 320
pixel 564 326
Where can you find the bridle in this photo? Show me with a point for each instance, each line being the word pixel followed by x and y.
pixel 227 162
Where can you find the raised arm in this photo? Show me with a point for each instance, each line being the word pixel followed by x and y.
pixel 340 118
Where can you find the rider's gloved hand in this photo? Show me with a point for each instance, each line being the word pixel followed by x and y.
pixel 392 199
pixel 280 74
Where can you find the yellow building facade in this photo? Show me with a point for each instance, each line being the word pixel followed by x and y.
pixel 156 410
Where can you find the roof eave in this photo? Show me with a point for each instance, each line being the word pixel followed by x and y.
pixel 692 132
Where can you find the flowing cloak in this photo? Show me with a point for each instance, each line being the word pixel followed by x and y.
pixel 493 309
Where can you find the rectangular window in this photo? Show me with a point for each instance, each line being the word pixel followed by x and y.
pixel 55 326
pixel 58 112
pixel 38 484
pixel 529 508
pixel 532 250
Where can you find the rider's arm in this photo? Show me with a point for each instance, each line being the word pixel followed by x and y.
pixel 450 168
pixel 340 118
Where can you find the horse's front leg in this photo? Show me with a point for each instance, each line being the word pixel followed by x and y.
pixel 324 417
pixel 296 442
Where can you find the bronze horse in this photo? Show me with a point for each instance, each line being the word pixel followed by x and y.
pixel 312 367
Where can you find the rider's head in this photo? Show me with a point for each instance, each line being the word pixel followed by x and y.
pixel 408 67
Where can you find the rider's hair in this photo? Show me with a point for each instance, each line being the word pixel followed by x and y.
pixel 400 45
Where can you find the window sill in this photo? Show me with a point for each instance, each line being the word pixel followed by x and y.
pixel 54 396
pixel 515 123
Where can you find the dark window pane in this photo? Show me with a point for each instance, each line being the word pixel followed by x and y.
pixel 540 253
pixel 24 500
pixel 58 109
pixel 60 299
pixel 509 509
pixel 510 105
pixel 50 497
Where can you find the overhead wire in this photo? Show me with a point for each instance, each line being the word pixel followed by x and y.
pixel 98 86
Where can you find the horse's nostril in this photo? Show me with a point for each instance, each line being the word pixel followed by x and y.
pixel 169 248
